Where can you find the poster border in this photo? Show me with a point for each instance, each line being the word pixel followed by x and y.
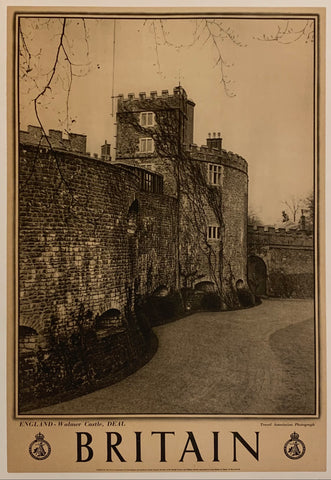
pixel 139 13
pixel 178 474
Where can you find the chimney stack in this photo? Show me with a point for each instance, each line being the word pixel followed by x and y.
pixel 214 142
pixel 105 152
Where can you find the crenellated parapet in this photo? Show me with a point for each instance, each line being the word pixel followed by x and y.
pixel 35 136
pixel 214 155
pixel 271 236
pixel 154 96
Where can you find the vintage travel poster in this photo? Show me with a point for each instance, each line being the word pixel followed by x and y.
pixel 166 262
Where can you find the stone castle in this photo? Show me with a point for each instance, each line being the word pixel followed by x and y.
pixel 103 244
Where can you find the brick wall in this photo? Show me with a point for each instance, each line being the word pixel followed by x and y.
pixel 157 242
pixel 90 244
pixel 72 220
pixel 76 244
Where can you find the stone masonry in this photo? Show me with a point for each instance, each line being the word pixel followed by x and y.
pixel 288 258
pixel 209 182
pixel 78 239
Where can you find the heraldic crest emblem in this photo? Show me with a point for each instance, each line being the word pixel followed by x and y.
pixel 39 449
pixel 294 448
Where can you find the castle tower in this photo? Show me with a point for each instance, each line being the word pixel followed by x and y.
pixel 154 127
pixel 155 133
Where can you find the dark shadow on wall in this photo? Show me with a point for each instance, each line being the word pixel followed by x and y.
pixel 97 354
pixel 291 285
pixel 257 275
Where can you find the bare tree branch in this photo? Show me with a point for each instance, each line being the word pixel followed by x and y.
pixel 287 34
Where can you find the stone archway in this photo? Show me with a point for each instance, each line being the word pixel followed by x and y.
pixel 257 275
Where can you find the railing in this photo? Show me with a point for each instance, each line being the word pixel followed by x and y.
pixel 150 182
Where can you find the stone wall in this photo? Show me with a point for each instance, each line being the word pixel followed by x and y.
pixel 184 167
pixel 79 242
pixel 288 256
pixel 90 243
pixel 72 220
pixel 157 263
pixel 222 260
pixel 235 207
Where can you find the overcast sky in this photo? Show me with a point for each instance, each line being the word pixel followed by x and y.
pixel 265 114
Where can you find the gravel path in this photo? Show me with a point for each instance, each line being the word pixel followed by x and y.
pixel 239 362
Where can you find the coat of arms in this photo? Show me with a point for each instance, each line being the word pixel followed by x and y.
pixel 294 448
pixel 39 449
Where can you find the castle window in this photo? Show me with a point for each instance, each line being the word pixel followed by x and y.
pixel 214 174
pixel 147 119
pixel 146 145
pixel 148 182
pixel 213 232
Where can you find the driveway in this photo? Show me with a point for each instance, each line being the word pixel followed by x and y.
pixel 253 361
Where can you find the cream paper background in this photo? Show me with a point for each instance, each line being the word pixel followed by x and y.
pixel 272 439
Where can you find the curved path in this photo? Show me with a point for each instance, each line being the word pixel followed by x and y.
pixel 239 362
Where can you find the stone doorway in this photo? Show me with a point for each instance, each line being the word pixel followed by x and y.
pixel 257 275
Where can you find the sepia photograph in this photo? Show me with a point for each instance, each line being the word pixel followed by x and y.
pixel 166 259
pixel 167 214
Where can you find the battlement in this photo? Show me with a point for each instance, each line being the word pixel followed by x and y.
pixel 35 136
pixel 215 155
pixel 265 235
pixel 178 92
